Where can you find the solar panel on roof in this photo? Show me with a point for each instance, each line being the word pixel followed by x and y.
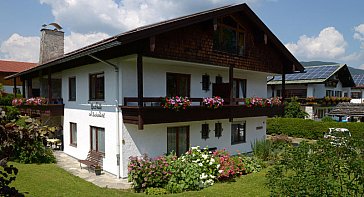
pixel 314 72
pixel 358 79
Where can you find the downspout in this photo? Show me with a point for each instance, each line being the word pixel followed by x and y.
pixel 116 110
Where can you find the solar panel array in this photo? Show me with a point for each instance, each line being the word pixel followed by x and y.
pixel 358 80
pixel 314 72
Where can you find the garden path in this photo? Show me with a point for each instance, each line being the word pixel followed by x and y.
pixel 106 180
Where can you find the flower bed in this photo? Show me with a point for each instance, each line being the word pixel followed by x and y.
pixel 194 170
pixel 29 101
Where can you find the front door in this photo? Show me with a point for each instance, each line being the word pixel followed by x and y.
pixel 178 140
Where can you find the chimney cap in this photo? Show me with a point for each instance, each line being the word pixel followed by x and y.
pixel 57 26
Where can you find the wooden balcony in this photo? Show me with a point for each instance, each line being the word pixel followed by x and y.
pixel 152 113
pixel 37 110
pixel 54 107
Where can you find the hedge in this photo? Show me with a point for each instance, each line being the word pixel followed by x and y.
pixel 305 128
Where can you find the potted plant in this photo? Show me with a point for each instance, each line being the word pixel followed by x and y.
pixel 98 170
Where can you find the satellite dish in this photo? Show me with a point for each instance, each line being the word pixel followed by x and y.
pixel 57 27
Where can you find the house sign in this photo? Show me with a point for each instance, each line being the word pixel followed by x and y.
pixel 96 106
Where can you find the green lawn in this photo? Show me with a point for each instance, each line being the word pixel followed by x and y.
pixel 50 180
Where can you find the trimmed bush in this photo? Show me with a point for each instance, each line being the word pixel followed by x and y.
pixel 310 129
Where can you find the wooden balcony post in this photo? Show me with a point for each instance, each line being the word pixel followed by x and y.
pixel 23 87
pixel 14 89
pixel 49 87
pixel 283 92
pixel 30 88
pixel 140 79
pixel 231 86
pixel 140 89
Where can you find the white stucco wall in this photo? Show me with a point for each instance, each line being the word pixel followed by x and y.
pixel 153 139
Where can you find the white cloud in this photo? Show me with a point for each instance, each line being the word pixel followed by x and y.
pixel 113 16
pixel 359 34
pixel 328 45
pixel 92 20
pixel 22 48
pixel 76 40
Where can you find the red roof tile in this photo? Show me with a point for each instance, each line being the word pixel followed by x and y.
pixel 14 67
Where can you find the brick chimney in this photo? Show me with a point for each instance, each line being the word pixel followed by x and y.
pixel 51 45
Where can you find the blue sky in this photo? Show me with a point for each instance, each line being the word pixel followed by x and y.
pixel 311 29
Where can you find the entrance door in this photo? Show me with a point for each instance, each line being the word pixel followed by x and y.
pixel 178 140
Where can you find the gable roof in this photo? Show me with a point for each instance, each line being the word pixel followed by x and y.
pixel 317 74
pixel 161 27
pixel 15 66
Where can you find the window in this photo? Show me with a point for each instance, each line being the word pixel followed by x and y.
pixel 356 95
pixel 279 93
pixel 218 129
pixel 97 139
pixel 205 131
pixel 218 79
pixel 338 93
pixel 178 84
pixel 72 89
pixel 97 86
pixel 238 133
pixel 239 88
pixel 329 93
pixel 178 140
pixel 229 36
pixel 73 134
pixel 206 82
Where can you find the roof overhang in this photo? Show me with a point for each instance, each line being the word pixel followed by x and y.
pixel 291 63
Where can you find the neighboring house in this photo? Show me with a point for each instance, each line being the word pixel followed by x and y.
pixel 357 91
pixel 318 89
pixel 9 68
pixel 112 89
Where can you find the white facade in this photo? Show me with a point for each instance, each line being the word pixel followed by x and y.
pixel 152 140
pixel 359 95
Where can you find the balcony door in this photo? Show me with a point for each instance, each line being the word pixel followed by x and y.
pixel 239 88
pixel 178 84
pixel 178 139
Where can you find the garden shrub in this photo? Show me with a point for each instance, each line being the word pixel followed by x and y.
pixel 251 164
pixel 194 170
pixel 229 167
pixel 262 149
pixel 310 129
pixel 320 169
pixel 23 141
pixel 7 176
pixel 145 172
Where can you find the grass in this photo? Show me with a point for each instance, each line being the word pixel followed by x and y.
pixel 50 180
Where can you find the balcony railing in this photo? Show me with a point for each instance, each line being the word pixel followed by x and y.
pixel 54 107
pixel 326 101
pixel 153 113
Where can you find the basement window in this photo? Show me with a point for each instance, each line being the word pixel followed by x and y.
pixel 218 129
pixel 205 131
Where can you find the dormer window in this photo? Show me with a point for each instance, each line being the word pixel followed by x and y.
pixel 229 36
